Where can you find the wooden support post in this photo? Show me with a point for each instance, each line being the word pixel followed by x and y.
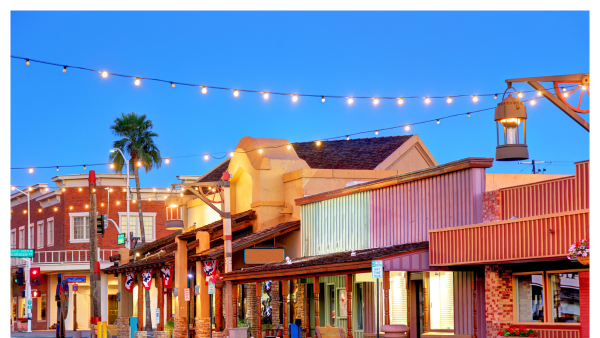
pixel 160 303
pixel 258 313
pixel 349 285
pixel 285 293
pixel 316 290
pixel 181 278
pixel 386 298
pixel 169 308
pixel 234 299
pixel 425 301
pixel 219 306
pixel 306 311
pixel 75 311
pixel 94 278
pixel 408 301
pixel 140 304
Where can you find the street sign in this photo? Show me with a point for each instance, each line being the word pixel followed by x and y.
pixel 75 287
pixel 157 315
pixel 26 253
pixel 29 302
pixel 211 288
pixel 377 269
pixel 121 239
pixel 75 279
pixel 186 294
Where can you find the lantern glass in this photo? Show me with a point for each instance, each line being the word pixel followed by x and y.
pixel 511 130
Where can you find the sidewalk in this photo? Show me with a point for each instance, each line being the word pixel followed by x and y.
pixel 52 334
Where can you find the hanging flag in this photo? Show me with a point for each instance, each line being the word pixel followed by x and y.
pixel 166 275
pixel 210 268
pixel 129 281
pixel 147 279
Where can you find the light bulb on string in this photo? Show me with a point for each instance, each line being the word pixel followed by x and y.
pixel 449 99
pixel 137 81
pixel 236 93
pixel 350 100
pixel 64 69
pixel 112 166
pixel 56 168
pixel 566 94
pixel 322 98
pixel 427 100
pixel 583 87
pixel 532 102
pixel 172 84
pixel 318 143
pixel 231 154
pixel 260 151
pixel 400 101
pixel 469 115
pixel 295 98
pixel 519 95
pixel 475 98
pixel 289 146
pixel 438 121
pixel 167 160
pixel 104 74
pixel 539 92
pixel 375 101
pixel 564 89
pixel 84 167
pixel 205 157
pixel 347 138
pixel 407 127
pixel 31 170
pixel 204 90
pixel 376 132
pixel 27 62
pixel 139 164
pixel 266 96
pixel 495 96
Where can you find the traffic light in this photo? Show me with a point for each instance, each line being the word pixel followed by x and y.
pixel 23 294
pixel 34 276
pixel 19 276
pixel 35 293
pixel 100 224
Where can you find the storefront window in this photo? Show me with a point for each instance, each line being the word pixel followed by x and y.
pixel 343 303
pixel 530 300
pixel 359 307
pixel 332 304
pixel 442 301
pixel 398 298
pixel 565 297
pixel 42 308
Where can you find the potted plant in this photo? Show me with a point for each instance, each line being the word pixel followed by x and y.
pixel 581 251
pixel 241 331
pixel 520 331
pixel 169 326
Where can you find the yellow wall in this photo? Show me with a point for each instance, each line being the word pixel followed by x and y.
pixel 201 213
pixel 499 181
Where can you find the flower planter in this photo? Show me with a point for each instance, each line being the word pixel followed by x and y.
pixel 584 260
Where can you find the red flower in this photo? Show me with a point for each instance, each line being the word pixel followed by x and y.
pixel 522 328
pixel 517 332
pixel 531 334
pixel 500 333
pixel 510 330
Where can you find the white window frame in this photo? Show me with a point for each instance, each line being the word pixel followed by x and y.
pixel 39 234
pixel 31 236
pixel 22 238
pixel 13 235
pixel 48 237
pixel 72 215
pixel 144 214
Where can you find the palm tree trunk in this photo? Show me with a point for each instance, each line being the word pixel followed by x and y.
pixel 148 312
pixel 139 199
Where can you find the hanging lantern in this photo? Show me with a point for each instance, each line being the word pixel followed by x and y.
pixel 174 213
pixel 511 114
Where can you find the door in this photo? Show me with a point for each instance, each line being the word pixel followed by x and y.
pixel 417 302
pixel 113 309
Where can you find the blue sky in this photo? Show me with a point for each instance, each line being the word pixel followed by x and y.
pixel 60 119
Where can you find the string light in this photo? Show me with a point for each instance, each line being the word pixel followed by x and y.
pixel 112 165
pixel 532 102
pixel 583 87
pixel 139 164
pixel 104 75
pixel 295 98
pixel 347 138
pixel 449 100
pixel 64 69
pixel 167 161
pixel 400 101
pixel 564 89
pixel 469 115
pixel 172 85
pixel 407 127
pixel 375 101
pixel 495 96
pixel 438 121
pixel 236 93
pixel 204 90
pixel 31 170
pixel 63 189
pixel 137 81
pixel 266 96
pixel 539 93
pixel 475 98
pixel 231 154
pixel 205 157
pixel 289 146
pixel 566 94
pixel 427 100
pixel 318 143
pixel 56 168
pixel 260 151
pixel 519 95
pixel 30 189
pixel 84 167
pixel 322 98
pixel 27 62
pixel 376 132
pixel 350 100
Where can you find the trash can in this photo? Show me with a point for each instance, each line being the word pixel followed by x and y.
pixel 294 331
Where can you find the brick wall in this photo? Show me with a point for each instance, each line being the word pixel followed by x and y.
pixel 300 303
pixel 584 303
pixel 492 207
pixel 251 315
pixel 43 289
pixel 275 303
pixel 498 298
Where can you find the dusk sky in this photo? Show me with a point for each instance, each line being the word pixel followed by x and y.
pixel 63 118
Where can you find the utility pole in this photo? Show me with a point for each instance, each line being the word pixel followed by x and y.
pixel 533 162
pixel 94 276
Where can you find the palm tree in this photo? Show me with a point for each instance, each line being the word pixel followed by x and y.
pixel 137 141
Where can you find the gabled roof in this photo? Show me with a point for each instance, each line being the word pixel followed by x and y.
pixel 215 173
pixel 353 154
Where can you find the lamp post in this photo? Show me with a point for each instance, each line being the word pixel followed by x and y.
pixel 28 264
pixel 190 276
pixel 127 240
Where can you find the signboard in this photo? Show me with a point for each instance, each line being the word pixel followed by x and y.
pixel 263 256
pixel 26 253
pixel 186 294
pixel 157 315
pixel 377 269
pixel 121 239
pixel 211 288
pixel 75 279
pixel 75 287
pixel 29 302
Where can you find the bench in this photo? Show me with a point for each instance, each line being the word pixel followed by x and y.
pixel 330 332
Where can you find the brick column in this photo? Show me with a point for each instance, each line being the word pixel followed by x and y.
pixel 202 327
pixel 258 314
pixel 498 299
pixel 584 303
pixel 180 330
pixel 275 303
pixel 386 298
pixel 250 295
pixel 300 302
pixel 123 327
pixel 349 287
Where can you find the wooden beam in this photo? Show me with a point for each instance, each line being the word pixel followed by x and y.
pixel 140 303
pixel 316 291
pixel 339 268
pixel 205 200
pixel 386 298
pixel 234 227
pixel 560 104
pixel 557 78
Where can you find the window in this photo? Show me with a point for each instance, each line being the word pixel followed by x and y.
pixel 359 307
pixel 81 228
pixel 332 304
pixel 22 237
pixel 565 297
pixel 50 225
pixel 40 234
pixel 13 238
pixel 343 303
pixel 530 300
pixel 41 306
pixel 30 243
pixel 442 300
pixel 135 227
pixel 398 298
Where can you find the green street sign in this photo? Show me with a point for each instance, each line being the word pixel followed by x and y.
pixel 25 253
pixel 121 239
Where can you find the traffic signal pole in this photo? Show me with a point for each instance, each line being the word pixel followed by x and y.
pixel 28 301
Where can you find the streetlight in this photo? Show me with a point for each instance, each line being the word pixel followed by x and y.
pixel 28 265
pixel 510 113
pixel 127 165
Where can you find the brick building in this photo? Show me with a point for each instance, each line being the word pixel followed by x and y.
pixel 59 233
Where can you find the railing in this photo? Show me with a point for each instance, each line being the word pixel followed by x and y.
pixel 65 256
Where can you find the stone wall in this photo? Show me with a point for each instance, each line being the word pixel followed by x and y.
pixel 251 315
pixel 123 327
pixel 492 206
pixel 202 327
pixel 275 302
pixel 498 298
pixel 300 303
pixel 180 330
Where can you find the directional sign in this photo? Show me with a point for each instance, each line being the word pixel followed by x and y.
pixel 186 294
pixel 75 279
pixel 211 288
pixel 121 239
pixel 26 253
pixel 29 302
pixel 377 269
pixel 157 315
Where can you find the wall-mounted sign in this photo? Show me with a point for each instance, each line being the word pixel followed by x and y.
pixel 26 253
pixel 121 239
pixel 186 294
pixel 377 269
pixel 263 256
pixel 75 287
pixel 211 288
pixel 75 279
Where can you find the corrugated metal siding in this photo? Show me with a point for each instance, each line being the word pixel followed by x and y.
pixel 480 295
pixel 404 213
pixel 550 332
pixel 370 294
pixel 549 197
pixel 534 237
pixel 463 302
pixel 334 225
